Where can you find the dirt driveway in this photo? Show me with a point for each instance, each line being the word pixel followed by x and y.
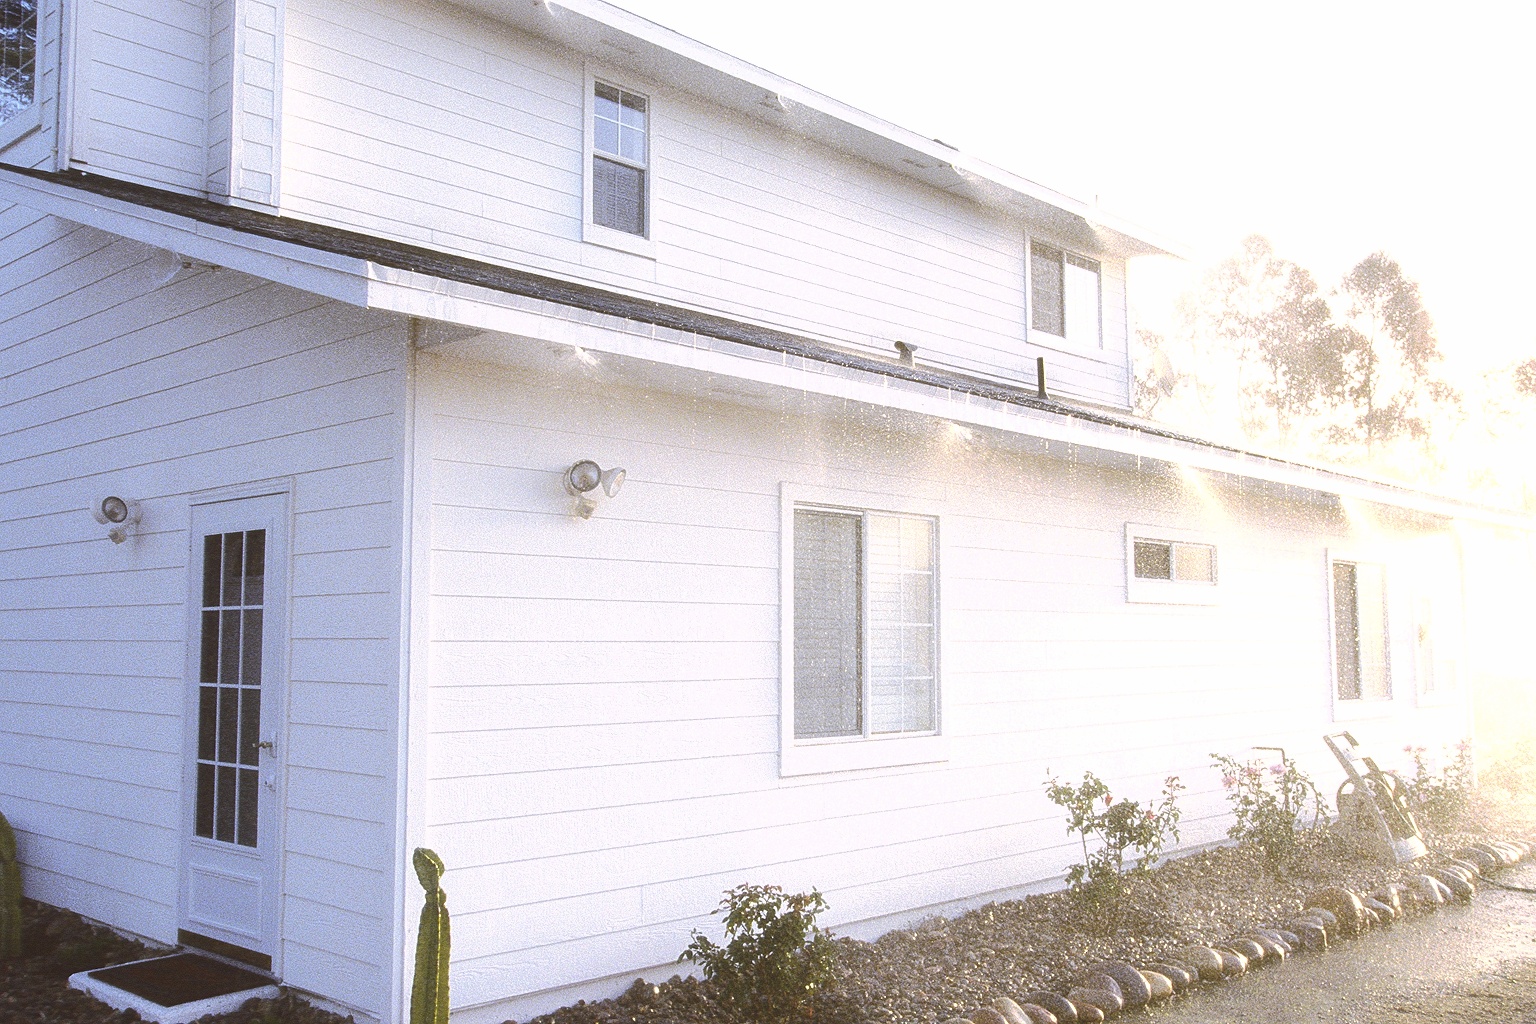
pixel 1462 964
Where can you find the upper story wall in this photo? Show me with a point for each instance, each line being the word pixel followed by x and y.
pixel 424 122
pixel 427 123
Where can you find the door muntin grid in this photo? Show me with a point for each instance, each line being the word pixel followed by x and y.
pixel 229 687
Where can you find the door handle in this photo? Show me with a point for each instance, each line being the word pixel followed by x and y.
pixel 268 745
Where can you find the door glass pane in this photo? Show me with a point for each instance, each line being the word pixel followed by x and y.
pixel 229 699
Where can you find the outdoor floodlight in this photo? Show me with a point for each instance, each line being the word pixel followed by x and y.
pixel 120 514
pixel 586 476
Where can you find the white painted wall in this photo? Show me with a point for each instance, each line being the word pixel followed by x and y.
pixel 120 378
pixel 604 695
pixel 418 121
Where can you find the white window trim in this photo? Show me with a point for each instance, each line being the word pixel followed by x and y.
pixel 19 125
pixel 1355 709
pixel 1144 591
pixel 594 233
pixel 851 753
pixel 1044 339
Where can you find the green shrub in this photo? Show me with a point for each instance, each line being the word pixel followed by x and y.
pixel 1269 803
pixel 10 893
pixel 774 959
pixel 1117 829
pixel 1440 800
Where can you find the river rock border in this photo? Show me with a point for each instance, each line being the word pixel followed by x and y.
pixel 1326 916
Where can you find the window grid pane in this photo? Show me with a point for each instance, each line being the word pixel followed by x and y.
pixel 901 624
pixel 229 706
pixel 18 56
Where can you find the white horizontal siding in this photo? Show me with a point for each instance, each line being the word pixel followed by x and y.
pixel 424 123
pixel 125 375
pixel 604 694
pixel 142 93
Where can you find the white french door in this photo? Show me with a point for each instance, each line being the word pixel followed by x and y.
pixel 236 662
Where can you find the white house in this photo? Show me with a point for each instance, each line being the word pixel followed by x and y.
pixel 336 295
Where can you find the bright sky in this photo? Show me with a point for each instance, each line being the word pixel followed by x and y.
pixel 1335 129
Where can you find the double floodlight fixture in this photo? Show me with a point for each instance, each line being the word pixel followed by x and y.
pixel 118 514
pixel 586 477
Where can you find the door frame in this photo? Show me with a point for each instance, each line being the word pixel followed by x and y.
pixel 277 596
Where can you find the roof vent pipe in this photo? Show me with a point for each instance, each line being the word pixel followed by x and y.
pixel 1040 376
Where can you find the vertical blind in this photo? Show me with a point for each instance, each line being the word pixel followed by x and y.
pixel 864 624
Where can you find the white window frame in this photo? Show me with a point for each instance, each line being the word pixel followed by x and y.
pixel 29 119
pixel 1139 590
pixel 851 753
pixel 598 234
pixel 1060 341
pixel 1356 708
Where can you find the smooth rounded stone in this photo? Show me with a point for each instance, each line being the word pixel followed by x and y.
pixel 1458 868
pixel 1249 948
pixel 959 1020
pixel 1465 868
pixel 1087 1014
pixel 987 1015
pixel 1392 896
pixel 1508 854
pixel 1383 911
pixel 1039 1014
pixel 1133 986
pixel 1486 859
pixel 1311 935
pixel 1288 937
pixel 1274 949
pixel 1107 1002
pixel 1203 960
pixel 1104 982
pixel 1462 889
pixel 1372 919
pixel 1426 890
pixel 1233 963
pixel 1343 904
pixel 1064 1009
pixel 1012 1011
pixel 1182 977
pixel 1159 984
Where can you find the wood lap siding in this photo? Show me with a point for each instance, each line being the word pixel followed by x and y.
pixel 469 137
pixel 116 383
pixel 604 749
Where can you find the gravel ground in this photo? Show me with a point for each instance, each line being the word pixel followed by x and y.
pixel 918 976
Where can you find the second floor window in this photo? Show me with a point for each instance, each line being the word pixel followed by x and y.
pixel 18 56
pixel 1064 294
pixel 620 159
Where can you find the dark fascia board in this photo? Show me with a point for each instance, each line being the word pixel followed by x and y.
pixel 526 284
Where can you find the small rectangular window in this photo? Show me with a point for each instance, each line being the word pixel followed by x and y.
pixel 865 624
pixel 1172 560
pixel 620 159
pixel 18 56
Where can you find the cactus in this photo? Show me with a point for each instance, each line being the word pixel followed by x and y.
pixel 10 893
pixel 429 992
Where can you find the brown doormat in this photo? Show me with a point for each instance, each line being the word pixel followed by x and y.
pixel 180 978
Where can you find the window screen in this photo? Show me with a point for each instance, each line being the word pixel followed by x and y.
pixel 18 55
pixel 1047 294
pixel 1360 631
pixel 828 614
pixel 1171 560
